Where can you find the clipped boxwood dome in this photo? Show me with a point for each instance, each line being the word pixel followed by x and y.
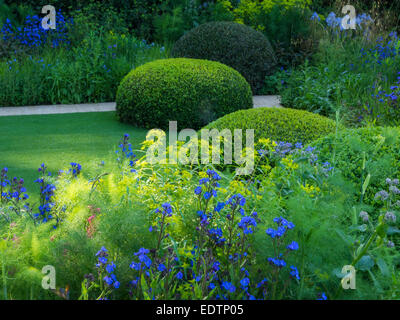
pixel 238 46
pixel 278 124
pixel 379 146
pixel 192 92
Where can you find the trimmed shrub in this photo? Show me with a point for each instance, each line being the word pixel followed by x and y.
pixel 278 124
pixel 377 147
pixel 236 45
pixel 192 92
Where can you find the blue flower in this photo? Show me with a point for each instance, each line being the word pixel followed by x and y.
pixel 204 181
pixel 167 209
pixel 262 282
pixel 315 16
pixel 245 282
pixel 161 267
pixel 136 266
pixel 179 275
pixel 198 190
pixel 235 200
pixel 246 223
pixel 294 272
pixel 142 251
pixel 103 260
pixel 228 286
pixel 219 206
pixel 110 267
pixel 293 246
pixel 108 280
pixel 278 262
pixel 216 266
pixel 323 296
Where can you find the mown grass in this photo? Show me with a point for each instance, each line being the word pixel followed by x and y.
pixel 57 140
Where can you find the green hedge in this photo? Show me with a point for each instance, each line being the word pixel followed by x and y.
pixel 192 92
pixel 378 146
pixel 278 124
pixel 236 45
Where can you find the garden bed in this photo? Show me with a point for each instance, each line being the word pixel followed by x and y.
pixel 293 203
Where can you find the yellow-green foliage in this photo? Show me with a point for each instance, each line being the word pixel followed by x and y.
pixel 278 124
pixel 190 91
pixel 248 10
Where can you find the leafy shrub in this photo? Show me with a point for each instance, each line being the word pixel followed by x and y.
pixel 96 17
pixel 193 92
pixel 186 15
pixel 169 27
pixel 285 24
pixel 277 124
pixel 233 44
pixel 357 153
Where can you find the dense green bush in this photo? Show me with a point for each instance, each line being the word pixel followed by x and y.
pixel 359 152
pixel 233 44
pixel 192 92
pixel 278 124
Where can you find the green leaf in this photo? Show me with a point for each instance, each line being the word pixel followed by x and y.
pixel 392 230
pixel 383 267
pixel 366 183
pixel 365 263
pixel 381 230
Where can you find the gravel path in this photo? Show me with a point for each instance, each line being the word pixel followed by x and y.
pixel 259 101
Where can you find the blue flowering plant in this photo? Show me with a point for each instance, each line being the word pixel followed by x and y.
pixel 46 198
pixel 75 170
pixel 13 196
pixel 278 282
pixel 218 262
pixel 31 35
pixel 333 24
pixel 126 158
pixel 385 107
pixel 104 282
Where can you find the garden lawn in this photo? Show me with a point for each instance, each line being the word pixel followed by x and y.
pixel 59 139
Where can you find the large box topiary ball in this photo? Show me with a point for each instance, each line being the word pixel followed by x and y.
pixel 192 92
pixel 238 46
pixel 278 124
